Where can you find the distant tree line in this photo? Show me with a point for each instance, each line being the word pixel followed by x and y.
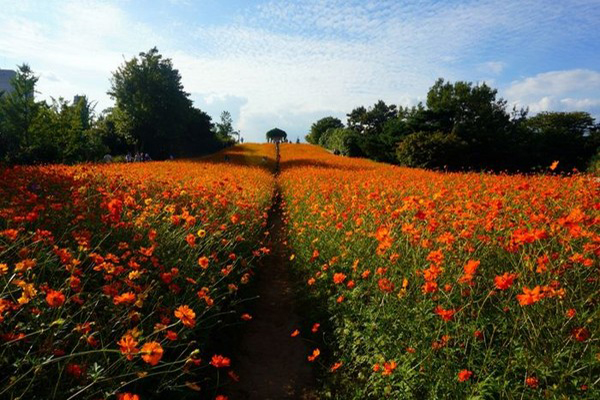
pixel 463 126
pixel 152 114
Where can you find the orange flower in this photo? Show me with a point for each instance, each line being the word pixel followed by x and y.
pixel 553 165
pixel 430 287
pixel 505 281
pixel 127 396
pixel 152 352
pixel 530 296
pixel 295 333
pixel 464 375
pixel 203 262
pixel 191 240
pixel 388 368
pixel 186 315
pixel 219 361
pixel 571 313
pixel 338 278
pixel 128 346
pixel 447 315
pixel 246 317
pixel 55 298
pixel 532 382
pixel 385 285
pixel 125 298
pixel 335 366
pixel 314 355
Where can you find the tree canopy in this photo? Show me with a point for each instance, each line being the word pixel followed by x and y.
pixel 276 134
pixel 465 126
pixel 321 126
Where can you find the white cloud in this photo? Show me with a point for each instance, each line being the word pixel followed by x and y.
pixel 570 90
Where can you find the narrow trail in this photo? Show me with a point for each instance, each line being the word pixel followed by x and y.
pixel 271 364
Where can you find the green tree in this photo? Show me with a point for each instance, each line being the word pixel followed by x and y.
pixel 321 126
pixel 18 112
pixel 477 117
pixel 568 137
pixel 224 129
pixel 371 121
pixel 73 133
pixel 150 104
pixel 431 150
pixel 276 134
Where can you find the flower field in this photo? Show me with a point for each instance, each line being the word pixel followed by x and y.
pixel 447 285
pixel 113 277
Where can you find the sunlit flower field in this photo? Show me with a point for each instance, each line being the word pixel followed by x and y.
pixel 448 285
pixel 113 277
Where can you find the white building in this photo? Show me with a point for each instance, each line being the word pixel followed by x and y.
pixel 6 75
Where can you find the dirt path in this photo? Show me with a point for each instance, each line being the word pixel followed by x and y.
pixel 270 363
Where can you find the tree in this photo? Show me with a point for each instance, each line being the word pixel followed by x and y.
pixel 477 117
pixel 321 126
pixel 430 150
pixel 150 104
pixel 371 121
pixel 224 129
pixel 18 111
pixel 569 137
pixel 276 135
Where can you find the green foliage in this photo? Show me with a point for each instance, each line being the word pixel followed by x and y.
pixel 276 134
pixel 224 129
pixel 320 127
pixel 18 113
pixel 33 131
pixel 466 126
pixel 430 150
pixel 570 137
pixel 152 106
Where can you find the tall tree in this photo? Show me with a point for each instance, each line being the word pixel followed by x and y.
pixel 321 126
pixel 18 111
pixel 150 103
pixel 225 129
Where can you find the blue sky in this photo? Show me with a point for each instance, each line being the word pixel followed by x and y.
pixel 287 63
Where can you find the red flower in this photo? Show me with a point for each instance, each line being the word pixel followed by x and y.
pixel 447 315
pixel 55 298
pixel 532 382
pixel 339 278
pixel 219 361
pixel 505 281
pixel 580 334
pixel 203 262
pixel 530 296
pixel 464 375
pixel 385 285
